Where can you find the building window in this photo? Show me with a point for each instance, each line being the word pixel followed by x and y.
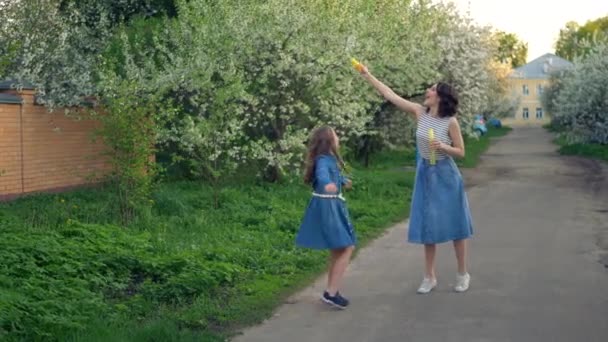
pixel 525 114
pixel 539 113
pixel 539 89
pixel 525 89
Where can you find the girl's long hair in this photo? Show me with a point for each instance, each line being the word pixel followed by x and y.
pixel 321 142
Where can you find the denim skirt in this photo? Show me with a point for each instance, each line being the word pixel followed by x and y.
pixel 440 208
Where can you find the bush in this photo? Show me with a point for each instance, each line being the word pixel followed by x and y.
pixel 251 79
pixel 579 99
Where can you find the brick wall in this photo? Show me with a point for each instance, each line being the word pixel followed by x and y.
pixel 42 151
pixel 10 149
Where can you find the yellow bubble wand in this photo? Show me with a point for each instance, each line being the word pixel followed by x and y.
pixel 433 158
pixel 358 66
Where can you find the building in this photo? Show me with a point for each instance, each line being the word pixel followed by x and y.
pixel 527 85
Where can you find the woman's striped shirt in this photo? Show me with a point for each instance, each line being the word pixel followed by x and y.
pixel 440 127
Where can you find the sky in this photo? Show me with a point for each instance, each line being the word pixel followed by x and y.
pixel 536 22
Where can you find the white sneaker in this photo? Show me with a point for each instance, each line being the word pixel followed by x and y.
pixel 427 285
pixel 462 282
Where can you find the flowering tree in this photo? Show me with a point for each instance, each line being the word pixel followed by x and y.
pixel 466 52
pixel 56 44
pixel 247 80
pixel 579 98
pixel 288 72
pixel 47 48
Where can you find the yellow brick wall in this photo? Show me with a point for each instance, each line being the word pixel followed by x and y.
pixel 10 149
pixel 57 151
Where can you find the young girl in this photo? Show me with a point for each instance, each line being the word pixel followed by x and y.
pixel 440 209
pixel 326 224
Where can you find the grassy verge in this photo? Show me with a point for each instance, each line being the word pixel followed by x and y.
pixel 595 151
pixel 187 272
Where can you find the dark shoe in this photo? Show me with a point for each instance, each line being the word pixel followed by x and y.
pixel 337 300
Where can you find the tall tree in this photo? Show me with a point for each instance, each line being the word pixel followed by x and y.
pixel 56 44
pixel 510 49
pixel 575 40
pixel 578 98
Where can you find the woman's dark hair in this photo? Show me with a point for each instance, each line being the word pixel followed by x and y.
pixel 448 100
pixel 321 142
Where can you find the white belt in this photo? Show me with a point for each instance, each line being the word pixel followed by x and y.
pixel 338 196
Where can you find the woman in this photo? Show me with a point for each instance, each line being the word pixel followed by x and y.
pixel 440 209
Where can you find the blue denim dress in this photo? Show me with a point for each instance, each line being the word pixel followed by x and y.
pixel 440 208
pixel 326 223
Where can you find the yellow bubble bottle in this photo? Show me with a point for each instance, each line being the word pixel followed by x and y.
pixel 433 158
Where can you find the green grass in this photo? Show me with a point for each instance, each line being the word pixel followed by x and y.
pixel 475 147
pixel 595 151
pixel 188 272
pixel 192 271
pixel 553 128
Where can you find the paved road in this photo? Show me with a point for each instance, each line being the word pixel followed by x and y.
pixel 541 224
